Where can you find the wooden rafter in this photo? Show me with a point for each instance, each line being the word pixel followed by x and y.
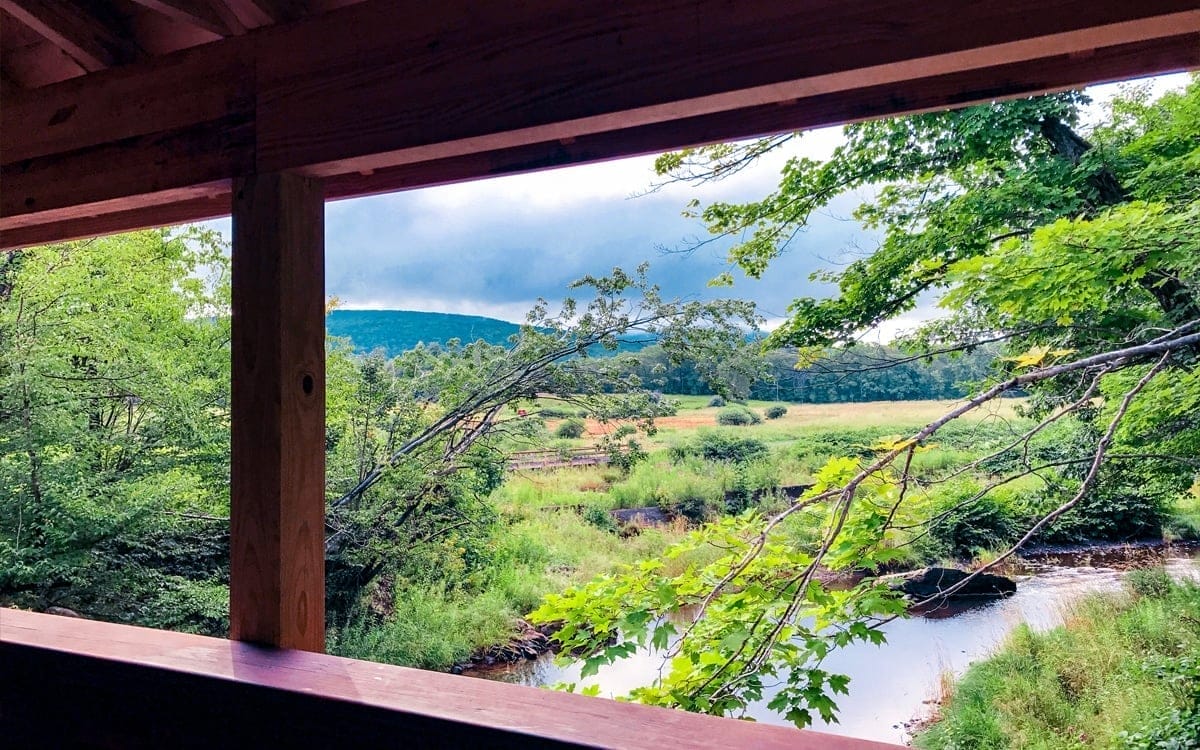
pixel 92 41
pixel 195 12
pixel 251 14
pixel 462 90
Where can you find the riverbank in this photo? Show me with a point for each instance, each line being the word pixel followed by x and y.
pixel 1123 671
pixel 903 678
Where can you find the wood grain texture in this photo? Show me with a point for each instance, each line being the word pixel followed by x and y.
pixel 277 504
pixel 467 78
pixel 956 89
pixel 86 37
pixel 195 12
pixel 356 92
pixel 120 686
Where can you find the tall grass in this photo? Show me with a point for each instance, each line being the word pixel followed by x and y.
pixel 433 624
pixel 1090 684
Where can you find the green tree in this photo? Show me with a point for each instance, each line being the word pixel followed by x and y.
pixel 114 384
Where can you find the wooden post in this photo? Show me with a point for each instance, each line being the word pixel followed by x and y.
pixel 277 565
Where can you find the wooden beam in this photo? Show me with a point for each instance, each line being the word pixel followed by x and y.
pixel 249 13
pixel 228 17
pixel 470 84
pixel 277 484
pixel 958 89
pixel 195 12
pixel 87 38
pixel 76 683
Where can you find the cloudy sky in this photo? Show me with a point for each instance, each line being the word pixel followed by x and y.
pixel 493 247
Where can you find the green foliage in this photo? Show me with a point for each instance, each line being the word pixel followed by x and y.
pixel 775 412
pixel 737 416
pixel 615 615
pixel 1123 673
pixel 1179 729
pixel 1056 245
pixel 431 628
pixel 570 429
pixel 864 372
pixel 600 518
pixel 1154 582
pixel 721 445
pixel 114 379
pixel 963 527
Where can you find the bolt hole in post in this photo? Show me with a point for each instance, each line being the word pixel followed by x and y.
pixel 307 383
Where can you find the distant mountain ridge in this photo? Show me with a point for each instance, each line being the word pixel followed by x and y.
pixel 396 331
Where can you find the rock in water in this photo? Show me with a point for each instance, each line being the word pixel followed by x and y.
pixel 931 582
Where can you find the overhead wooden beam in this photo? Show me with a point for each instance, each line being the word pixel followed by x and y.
pixel 213 200
pixel 195 12
pixel 228 17
pixel 475 86
pixel 250 14
pixel 83 35
pixel 277 483
pixel 922 95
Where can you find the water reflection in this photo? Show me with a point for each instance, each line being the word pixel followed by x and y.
pixel 895 682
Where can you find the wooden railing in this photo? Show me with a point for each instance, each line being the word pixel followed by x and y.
pixel 556 459
pixel 67 682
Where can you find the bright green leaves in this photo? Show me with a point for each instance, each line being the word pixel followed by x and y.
pixel 959 194
pixel 1098 270
pixel 114 390
pixel 754 622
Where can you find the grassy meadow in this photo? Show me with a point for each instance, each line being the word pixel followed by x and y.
pixel 1123 672
pixel 553 527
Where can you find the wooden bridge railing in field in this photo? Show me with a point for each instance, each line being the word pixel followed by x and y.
pixel 557 459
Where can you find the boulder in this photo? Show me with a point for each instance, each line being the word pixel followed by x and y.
pixel 931 582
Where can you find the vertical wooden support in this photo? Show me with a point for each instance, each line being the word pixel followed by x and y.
pixel 277 566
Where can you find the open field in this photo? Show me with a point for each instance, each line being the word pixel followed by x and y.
pixel 900 416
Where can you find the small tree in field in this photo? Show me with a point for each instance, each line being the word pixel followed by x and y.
pixel 570 429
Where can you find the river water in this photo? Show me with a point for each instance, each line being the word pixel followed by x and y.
pixel 894 683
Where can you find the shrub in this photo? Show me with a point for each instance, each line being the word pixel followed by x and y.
pixel 775 412
pixel 721 445
pixel 692 504
pixel 717 401
pixel 571 429
pixel 553 412
pixel 1151 582
pixel 968 527
pixel 733 416
pixel 625 457
pixel 601 519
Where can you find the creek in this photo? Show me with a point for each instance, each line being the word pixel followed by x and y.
pixel 896 683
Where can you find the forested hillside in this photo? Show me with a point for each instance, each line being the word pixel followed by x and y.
pixel 393 332
pixel 863 373
pixel 396 331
